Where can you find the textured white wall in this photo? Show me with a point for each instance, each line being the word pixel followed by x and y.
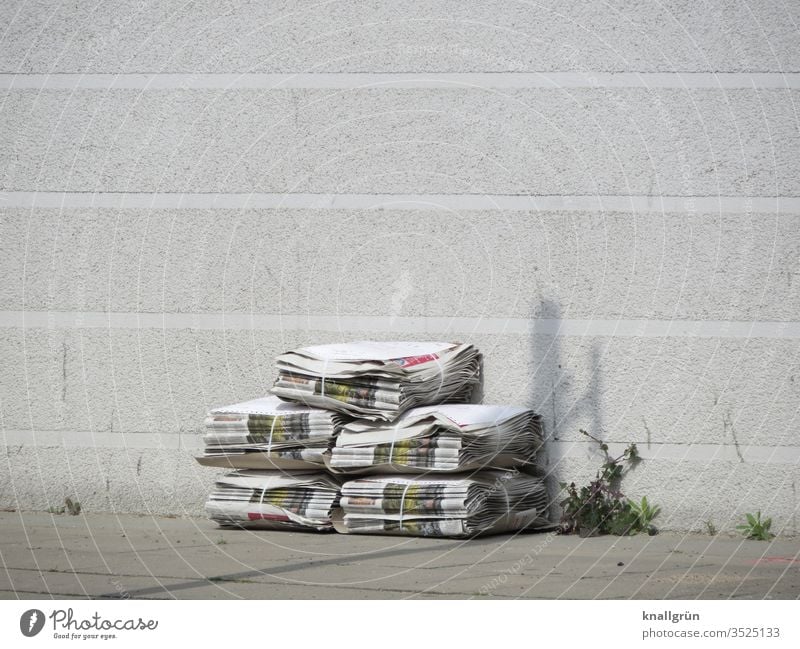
pixel 603 196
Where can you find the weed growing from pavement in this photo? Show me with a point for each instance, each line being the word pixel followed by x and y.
pixel 600 507
pixel 756 529
pixel 71 507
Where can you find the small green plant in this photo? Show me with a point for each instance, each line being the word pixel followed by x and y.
pixel 756 529
pixel 711 529
pixel 645 513
pixel 222 542
pixel 71 507
pixel 600 507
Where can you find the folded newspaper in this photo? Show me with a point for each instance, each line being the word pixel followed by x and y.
pixel 268 433
pixel 443 438
pixel 378 380
pixel 274 500
pixel 486 502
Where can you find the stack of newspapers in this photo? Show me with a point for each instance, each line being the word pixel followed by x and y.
pixel 484 502
pixel 274 500
pixel 378 380
pixel 268 433
pixel 396 419
pixel 445 438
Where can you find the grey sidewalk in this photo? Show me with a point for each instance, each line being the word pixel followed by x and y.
pixel 102 555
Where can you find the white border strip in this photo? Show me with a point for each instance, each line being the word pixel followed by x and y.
pixel 386 324
pixel 192 442
pixel 111 200
pixel 354 80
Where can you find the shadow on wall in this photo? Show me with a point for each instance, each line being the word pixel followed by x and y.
pixel 564 411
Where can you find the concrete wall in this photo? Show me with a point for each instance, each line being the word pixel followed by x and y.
pixel 603 196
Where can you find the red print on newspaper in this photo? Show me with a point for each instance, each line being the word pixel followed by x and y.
pixel 408 361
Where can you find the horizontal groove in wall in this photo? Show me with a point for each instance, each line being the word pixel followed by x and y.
pixel 727 80
pixel 150 200
pixel 556 449
pixel 388 324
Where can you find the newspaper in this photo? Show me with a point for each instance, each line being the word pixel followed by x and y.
pixel 486 502
pixel 268 433
pixel 443 438
pixel 274 500
pixel 379 380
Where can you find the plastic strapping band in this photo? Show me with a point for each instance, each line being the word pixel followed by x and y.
pixel 508 501
pixel 402 503
pixel 271 430
pixel 440 366
pixel 394 439
pixel 261 503
pixel 324 372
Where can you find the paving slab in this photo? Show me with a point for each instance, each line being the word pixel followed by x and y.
pixel 114 556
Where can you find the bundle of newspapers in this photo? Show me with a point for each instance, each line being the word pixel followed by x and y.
pixel 378 380
pixel 274 500
pixel 269 433
pixel 485 502
pixel 443 438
